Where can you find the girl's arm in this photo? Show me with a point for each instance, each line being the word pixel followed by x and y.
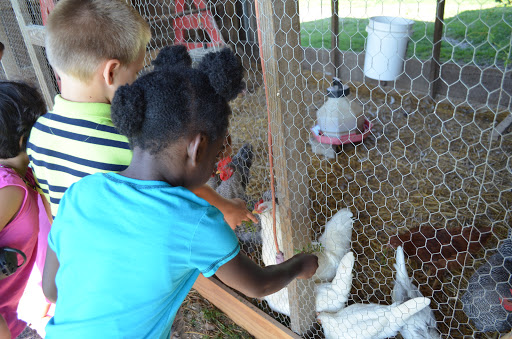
pixel 51 265
pixel 244 275
pixel 234 210
pixel 11 198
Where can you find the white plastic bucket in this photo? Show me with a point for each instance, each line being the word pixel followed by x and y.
pixel 385 47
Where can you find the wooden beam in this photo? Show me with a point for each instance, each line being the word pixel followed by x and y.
pixel 22 17
pixel 243 313
pixel 335 30
pixel 436 51
pixel 36 34
pixel 281 58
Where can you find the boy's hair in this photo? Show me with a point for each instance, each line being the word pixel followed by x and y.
pixel 176 100
pixel 20 106
pixel 2 47
pixel 83 33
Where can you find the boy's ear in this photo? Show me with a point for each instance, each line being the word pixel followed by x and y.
pixel 109 70
pixel 196 149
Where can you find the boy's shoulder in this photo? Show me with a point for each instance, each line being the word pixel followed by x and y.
pixel 90 123
pixel 84 110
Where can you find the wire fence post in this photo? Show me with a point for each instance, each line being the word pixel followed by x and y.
pixel 282 54
pixel 436 51
pixel 335 22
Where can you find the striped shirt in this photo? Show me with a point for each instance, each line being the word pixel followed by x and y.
pixel 74 140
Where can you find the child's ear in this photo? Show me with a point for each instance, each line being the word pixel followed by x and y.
pixel 196 149
pixel 109 70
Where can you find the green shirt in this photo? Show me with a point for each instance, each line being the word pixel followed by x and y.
pixel 74 140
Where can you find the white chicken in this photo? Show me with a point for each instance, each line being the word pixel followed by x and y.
pixel 277 301
pixel 370 321
pixel 268 250
pixel 335 243
pixel 332 297
pixel 421 324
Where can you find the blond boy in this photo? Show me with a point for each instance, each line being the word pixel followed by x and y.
pixel 95 46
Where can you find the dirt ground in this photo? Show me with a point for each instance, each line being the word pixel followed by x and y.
pixel 199 319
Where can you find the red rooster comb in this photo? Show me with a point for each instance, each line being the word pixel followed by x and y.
pixel 257 207
pixel 225 171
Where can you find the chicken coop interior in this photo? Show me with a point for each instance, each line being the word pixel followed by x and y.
pixel 410 207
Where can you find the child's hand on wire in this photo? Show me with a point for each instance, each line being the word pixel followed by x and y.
pixel 309 265
pixel 235 212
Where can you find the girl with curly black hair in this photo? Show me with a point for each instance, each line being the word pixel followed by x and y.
pixel 126 248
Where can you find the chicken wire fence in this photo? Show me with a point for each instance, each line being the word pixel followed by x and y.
pixel 431 175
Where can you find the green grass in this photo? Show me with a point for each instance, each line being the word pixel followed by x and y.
pixel 413 9
pixel 476 36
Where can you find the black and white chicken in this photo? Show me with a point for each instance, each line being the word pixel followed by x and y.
pixel 231 181
pixel 487 301
pixel 234 186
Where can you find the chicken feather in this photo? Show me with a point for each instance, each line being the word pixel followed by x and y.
pixel 422 324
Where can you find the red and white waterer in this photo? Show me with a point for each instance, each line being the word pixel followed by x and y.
pixel 340 120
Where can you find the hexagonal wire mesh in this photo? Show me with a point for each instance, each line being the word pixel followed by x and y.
pixel 428 176
pixel 16 61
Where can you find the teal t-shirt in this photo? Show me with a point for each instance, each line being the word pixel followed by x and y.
pixel 129 252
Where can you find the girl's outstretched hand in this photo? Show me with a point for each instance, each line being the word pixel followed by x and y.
pixel 235 212
pixel 309 265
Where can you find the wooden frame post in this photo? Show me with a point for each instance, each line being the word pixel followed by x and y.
pixel 436 48
pixel 335 28
pixel 279 32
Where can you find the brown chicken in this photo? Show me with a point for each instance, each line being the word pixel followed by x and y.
pixel 441 248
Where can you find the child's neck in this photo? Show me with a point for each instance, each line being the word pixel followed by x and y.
pixel 79 91
pixel 19 163
pixel 145 166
